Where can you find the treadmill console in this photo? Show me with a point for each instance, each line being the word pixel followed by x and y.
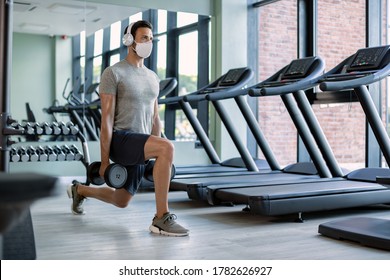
pixel 368 59
pixel 298 68
pixel 232 77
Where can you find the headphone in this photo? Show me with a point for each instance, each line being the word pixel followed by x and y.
pixel 128 39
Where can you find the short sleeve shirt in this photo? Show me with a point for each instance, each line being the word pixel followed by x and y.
pixel 136 90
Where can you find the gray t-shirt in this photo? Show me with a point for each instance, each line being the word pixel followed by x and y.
pixel 136 90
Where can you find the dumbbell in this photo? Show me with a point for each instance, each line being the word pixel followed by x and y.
pixel 47 129
pixel 64 128
pixel 41 153
pixel 60 154
pixel 21 151
pixel 28 128
pixel 56 128
pixel 51 156
pixel 73 129
pixel 76 152
pixel 69 155
pixel 38 128
pixel 32 153
pixel 115 175
pixel 148 173
pixel 14 156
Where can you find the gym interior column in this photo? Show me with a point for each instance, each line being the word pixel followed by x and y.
pixel 5 62
pixel 373 38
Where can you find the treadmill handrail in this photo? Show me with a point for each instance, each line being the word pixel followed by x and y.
pixel 204 93
pixel 354 83
pixel 226 94
pixel 305 83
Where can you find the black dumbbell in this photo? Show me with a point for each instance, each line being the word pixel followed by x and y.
pixel 115 175
pixel 148 173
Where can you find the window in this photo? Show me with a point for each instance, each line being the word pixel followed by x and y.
pixel 342 123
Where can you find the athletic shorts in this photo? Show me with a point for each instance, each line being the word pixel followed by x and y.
pixel 127 149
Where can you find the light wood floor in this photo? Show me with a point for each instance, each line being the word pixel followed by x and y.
pixel 217 233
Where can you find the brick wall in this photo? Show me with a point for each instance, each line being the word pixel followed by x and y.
pixel 341 31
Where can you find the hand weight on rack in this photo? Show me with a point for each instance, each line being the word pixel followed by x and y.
pixel 148 174
pixel 115 175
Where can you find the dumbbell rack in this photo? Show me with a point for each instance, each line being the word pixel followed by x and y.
pixel 44 153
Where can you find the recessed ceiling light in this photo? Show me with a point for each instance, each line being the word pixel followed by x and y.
pixel 71 9
pixel 34 26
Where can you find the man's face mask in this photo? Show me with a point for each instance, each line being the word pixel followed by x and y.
pixel 143 49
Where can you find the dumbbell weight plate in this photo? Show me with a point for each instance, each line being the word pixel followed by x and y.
pixel 93 174
pixel 148 175
pixel 115 175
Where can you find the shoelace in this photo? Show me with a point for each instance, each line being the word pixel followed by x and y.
pixel 170 218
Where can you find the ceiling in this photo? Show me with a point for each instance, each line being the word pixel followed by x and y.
pixel 65 17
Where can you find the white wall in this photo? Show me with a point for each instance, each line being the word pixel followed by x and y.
pixel 32 75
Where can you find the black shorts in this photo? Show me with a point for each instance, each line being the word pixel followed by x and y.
pixel 127 149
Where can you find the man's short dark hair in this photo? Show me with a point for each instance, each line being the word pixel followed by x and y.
pixel 138 24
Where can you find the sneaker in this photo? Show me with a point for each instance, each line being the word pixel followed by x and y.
pixel 167 226
pixel 77 204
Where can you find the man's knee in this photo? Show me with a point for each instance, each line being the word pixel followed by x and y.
pixel 167 149
pixel 122 200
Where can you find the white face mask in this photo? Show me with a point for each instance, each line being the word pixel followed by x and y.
pixel 143 49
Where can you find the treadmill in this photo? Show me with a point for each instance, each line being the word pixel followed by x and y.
pixel 357 188
pixel 234 79
pixel 369 65
pixel 299 74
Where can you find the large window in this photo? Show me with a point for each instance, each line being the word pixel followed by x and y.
pixel 341 28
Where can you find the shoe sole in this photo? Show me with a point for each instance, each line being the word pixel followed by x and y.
pixel 70 195
pixel 156 230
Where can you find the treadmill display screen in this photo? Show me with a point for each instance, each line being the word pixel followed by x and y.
pixel 232 77
pixel 368 59
pixel 298 68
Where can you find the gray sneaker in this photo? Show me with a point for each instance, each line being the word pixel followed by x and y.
pixel 167 226
pixel 77 204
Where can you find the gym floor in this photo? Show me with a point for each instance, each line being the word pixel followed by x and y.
pixel 217 232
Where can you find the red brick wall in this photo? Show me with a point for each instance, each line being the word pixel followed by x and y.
pixel 341 31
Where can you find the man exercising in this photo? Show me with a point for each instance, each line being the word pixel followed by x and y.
pixel 131 130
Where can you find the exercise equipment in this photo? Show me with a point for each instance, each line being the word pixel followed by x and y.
pixel 199 188
pixel 115 175
pixel 357 188
pixel 233 79
pixel 148 173
pixel 365 67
